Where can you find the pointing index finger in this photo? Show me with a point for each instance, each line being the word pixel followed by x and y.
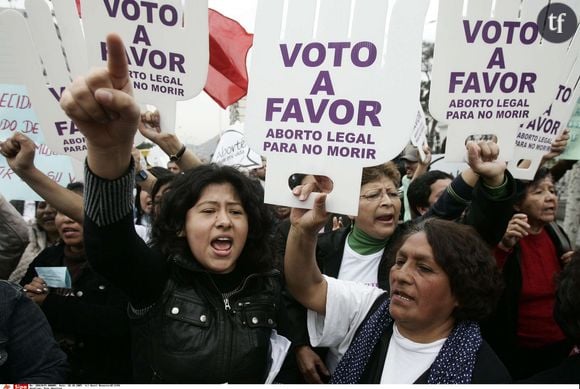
pixel 117 61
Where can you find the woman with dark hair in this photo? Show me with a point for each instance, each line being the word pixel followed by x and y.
pixel 532 252
pixel 442 281
pixel 88 316
pixel 204 296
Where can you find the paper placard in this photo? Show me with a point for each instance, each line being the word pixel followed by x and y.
pixel 494 68
pixel 232 150
pixel 55 277
pixel 167 46
pixel 16 114
pixel 333 88
pixel 573 149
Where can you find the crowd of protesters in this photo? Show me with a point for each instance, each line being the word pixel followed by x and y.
pixel 184 275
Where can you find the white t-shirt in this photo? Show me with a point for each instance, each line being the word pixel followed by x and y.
pixel 407 360
pixel 359 268
pixel 347 305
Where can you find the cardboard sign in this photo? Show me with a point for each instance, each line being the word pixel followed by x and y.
pixel 232 150
pixel 21 65
pixel 167 46
pixel 333 88
pixel 535 137
pixel 496 65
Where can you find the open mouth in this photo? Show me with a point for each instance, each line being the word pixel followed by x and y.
pixel 222 244
pixel 401 296
pixel 69 232
pixel 385 218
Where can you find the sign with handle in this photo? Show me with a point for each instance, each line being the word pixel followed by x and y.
pixel 535 137
pixel 167 46
pixel 334 86
pixel 497 65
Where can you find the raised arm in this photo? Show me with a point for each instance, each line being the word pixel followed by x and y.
pixel 169 143
pixel 19 151
pixel 303 277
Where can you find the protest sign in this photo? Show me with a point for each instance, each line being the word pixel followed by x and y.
pixel 16 114
pixel 535 137
pixel 419 134
pixel 497 65
pixel 44 84
pixel 232 150
pixel 334 86
pixel 572 151
pixel 167 47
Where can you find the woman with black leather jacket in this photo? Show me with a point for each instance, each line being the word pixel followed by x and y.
pixel 203 298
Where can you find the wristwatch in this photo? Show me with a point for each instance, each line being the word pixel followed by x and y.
pixel 177 156
pixel 141 176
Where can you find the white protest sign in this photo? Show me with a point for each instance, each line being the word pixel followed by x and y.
pixel 20 64
pixel 333 88
pixel 16 114
pixel 496 65
pixel 167 46
pixel 232 150
pixel 419 134
pixel 535 137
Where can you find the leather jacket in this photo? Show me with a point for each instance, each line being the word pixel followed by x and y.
pixel 194 325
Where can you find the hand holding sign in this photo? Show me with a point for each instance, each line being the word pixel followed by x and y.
pixel 329 76
pixel 494 67
pixel 102 106
pixel 535 138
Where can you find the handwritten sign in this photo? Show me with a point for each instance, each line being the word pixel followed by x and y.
pixel 346 85
pixel 232 150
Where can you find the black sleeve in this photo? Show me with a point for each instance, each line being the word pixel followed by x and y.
pixel 113 247
pixel 33 354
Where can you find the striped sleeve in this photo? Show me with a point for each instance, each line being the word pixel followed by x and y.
pixel 106 201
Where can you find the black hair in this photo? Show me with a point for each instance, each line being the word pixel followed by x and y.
pixel 420 189
pixel 184 192
pixel 522 186
pixel 473 275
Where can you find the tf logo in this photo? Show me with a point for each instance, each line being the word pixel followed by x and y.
pixel 560 22
pixel 19 386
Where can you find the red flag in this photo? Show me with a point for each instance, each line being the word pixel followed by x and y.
pixel 227 77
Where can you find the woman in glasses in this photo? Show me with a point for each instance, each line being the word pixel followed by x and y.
pixel 359 253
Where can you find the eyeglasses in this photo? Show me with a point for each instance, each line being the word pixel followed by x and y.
pixel 377 194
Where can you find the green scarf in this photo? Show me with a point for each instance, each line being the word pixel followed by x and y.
pixel 363 244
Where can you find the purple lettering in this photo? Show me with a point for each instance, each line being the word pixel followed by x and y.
pixel 57 94
pixel 338 48
pixel 149 7
pixel 497 59
pixel 112 11
pixel 292 111
pixel 368 110
pixel 172 18
pixel 323 83
pixel 469 34
pixel 273 105
pixel 126 5
pixel 161 61
pixel 289 61
pixel 355 55
pixel 348 111
pixel 306 54
pixel 141 36
pixel 61 127
pixel 491 25
pixel 316 114
pixel 529 26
